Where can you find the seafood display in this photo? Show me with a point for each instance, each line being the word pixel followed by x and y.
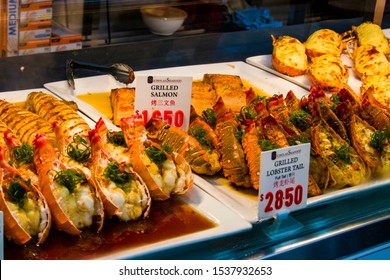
pixel 324 41
pixel 123 192
pixel 80 175
pixel 26 213
pixel 165 172
pixel 25 124
pixel 58 173
pixel 69 191
pixel 332 56
pixel 289 56
pixel 328 72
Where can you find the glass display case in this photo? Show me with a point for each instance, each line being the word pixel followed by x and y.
pixel 354 225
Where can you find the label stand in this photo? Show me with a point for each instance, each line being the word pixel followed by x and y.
pixel 283 225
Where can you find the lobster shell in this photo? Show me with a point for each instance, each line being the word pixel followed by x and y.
pixel 156 192
pixel 100 152
pixel 12 228
pixel 45 159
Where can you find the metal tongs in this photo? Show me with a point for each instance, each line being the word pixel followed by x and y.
pixel 121 72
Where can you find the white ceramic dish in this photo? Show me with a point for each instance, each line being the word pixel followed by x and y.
pixel 163 20
pixel 226 221
pixel 265 62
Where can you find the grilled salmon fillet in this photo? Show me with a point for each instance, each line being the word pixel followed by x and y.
pixel 229 87
pixel 122 103
pixel 203 96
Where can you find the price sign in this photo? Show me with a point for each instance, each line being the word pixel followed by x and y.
pixel 164 97
pixel 284 177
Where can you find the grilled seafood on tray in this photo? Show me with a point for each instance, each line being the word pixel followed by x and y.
pixel 26 213
pixel 289 56
pixel 165 172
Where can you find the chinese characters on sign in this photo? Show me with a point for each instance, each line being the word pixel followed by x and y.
pixel 284 177
pixel 164 97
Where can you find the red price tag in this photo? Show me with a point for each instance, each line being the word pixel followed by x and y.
pixel 175 118
pixel 282 198
pixel 283 180
pixel 168 98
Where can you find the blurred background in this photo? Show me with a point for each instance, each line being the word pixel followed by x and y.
pixel 72 24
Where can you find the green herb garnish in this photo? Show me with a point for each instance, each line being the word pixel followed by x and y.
pixel 116 138
pixel 156 155
pixel 17 192
pixel 24 154
pixel 79 149
pixel 301 119
pixel 378 139
pixel 266 145
pixel 210 117
pixel 199 134
pixel 167 149
pixel 246 114
pixel 344 153
pixel 116 173
pixel 239 134
pixel 69 178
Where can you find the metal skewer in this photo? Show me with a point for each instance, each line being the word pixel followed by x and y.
pixel 121 72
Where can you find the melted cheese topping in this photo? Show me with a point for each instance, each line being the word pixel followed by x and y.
pixel 290 54
pixel 369 61
pixel 372 34
pixel 328 72
pixel 343 173
pixel 324 41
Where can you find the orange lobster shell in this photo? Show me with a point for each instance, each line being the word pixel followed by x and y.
pixel 12 228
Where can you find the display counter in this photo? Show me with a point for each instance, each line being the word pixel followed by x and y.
pixel 335 229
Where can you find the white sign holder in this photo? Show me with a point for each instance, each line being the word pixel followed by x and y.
pixel 284 177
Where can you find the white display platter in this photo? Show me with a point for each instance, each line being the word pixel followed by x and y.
pixel 226 221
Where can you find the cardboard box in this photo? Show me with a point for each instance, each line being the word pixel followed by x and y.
pixel 64 39
pixel 9 28
pixel 36 12
pixel 34 47
pixel 34 30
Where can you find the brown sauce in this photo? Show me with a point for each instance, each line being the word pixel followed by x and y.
pixel 167 219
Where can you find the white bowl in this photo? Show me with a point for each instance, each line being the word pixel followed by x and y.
pixel 163 20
